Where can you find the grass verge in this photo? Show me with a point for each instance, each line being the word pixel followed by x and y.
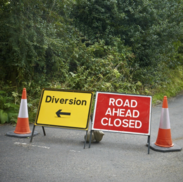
pixel 171 88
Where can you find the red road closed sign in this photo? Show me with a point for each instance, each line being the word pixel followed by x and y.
pixel 122 113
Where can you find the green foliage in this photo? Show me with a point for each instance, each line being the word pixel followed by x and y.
pixel 34 42
pixel 171 88
pixel 106 71
pixel 100 45
pixel 10 104
pixel 101 68
pixel 8 109
pixel 179 52
pixel 148 27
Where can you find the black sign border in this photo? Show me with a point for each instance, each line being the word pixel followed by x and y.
pixel 64 90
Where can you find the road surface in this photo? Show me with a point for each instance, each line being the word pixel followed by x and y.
pixel 59 156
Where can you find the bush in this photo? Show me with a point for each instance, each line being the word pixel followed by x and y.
pixel 149 27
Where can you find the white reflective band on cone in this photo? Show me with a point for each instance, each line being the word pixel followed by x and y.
pixel 23 111
pixel 165 120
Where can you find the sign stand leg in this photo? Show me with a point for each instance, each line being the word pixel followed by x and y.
pixel 148 141
pixel 32 133
pixel 44 131
pixel 90 137
pixel 90 131
pixel 86 138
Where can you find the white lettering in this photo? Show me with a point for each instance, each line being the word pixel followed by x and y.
pixel 110 122
pixel 117 112
pixel 131 124
pixel 128 113
pixel 121 113
pixel 126 103
pixel 119 104
pixel 103 122
pixel 137 121
pixel 135 114
pixel 116 124
pixel 126 124
pixel 108 112
pixel 111 101
pixel 133 102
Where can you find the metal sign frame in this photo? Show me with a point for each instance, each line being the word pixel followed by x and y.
pixel 113 93
pixel 63 113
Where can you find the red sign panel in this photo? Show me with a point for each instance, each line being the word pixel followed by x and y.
pixel 122 113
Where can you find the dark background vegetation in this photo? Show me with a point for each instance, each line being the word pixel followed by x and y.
pixel 127 46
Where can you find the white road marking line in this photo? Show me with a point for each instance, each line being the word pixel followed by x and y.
pixel 25 144
pixel 74 151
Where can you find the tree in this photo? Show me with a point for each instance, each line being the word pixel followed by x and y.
pixel 149 27
pixel 34 40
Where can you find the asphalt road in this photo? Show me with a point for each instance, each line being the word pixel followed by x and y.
pixel 59 156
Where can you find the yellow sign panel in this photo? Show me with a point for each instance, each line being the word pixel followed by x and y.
pixel 64 108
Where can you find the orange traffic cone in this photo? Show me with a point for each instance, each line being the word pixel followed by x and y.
pixel 22 128
pixel 164 139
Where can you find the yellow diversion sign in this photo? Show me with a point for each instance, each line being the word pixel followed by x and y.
pixel 64 108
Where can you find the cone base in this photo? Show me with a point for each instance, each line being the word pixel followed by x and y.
pixel 175 148
pixel 29 132
pixel 164 138
pixel 12 134
pixel 164 146
pixel 22 126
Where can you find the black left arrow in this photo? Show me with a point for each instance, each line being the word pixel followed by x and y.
pixel 58 113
